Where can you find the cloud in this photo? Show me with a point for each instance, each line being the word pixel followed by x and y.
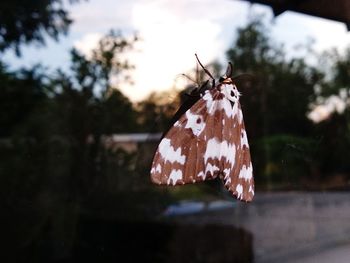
pixel 293 29
pixel 88 43
pixel 324 111
pixel 328 33
pixel 171 33
pixel 101 16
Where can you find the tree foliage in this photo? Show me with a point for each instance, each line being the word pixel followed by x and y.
pixel 334 131
pixel 21 93
pixel 282 89
pixel 156 111
pixel 275 103
pixel 53 152
pixel 24 22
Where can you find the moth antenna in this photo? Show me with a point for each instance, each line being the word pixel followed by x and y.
pixel 205 70
pixel 229 70
pixel 189 78
pixel 197 73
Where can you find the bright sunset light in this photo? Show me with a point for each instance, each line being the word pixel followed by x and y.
pixel 171 32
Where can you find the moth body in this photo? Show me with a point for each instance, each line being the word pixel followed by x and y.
pixel 209 140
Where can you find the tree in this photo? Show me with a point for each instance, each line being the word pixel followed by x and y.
pixel 156 111
pixel 24 22
pixel 282 89
pixel 276 102
pixel 86 105
pixel 52 155
pixel 21 94
pixel 334 132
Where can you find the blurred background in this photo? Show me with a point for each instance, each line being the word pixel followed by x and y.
pixel 87 87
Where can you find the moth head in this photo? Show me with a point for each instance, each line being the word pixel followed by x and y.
pixel 230 91
pixel 227 77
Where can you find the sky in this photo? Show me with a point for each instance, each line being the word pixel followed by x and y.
pixel 171 32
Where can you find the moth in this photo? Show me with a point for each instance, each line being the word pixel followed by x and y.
pixel 207 140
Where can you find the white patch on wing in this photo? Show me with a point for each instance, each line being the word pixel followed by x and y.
pixel 246 173
pixel 239 190
pixel 251 190
pixel 195 123
pixel 209 99
pixel 240 116
pixel 177 124
pixel 231 94
pixel 227 177
pixel 158 168
pixel 244 139
pixel 169 153
pixel 230 91
pixel 227 172
pixel 217 150
pixel 214 105
pixel 227 107
pixel 174 176
pixel 211 168
pixel 201 174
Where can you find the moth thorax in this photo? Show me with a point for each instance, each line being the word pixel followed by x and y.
pixel 226 80
pixel 230 91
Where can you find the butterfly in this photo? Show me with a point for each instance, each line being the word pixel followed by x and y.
pixel 207 139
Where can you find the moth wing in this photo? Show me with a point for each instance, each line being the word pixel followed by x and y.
pixel 238 178
pixel 182 155
pixel 189 101
pixel 207 141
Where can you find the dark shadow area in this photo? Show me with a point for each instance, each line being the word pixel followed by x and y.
pixel 124 241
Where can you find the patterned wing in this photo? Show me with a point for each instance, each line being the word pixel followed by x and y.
pixel 183 155
pixel 206 142
pixel 239 177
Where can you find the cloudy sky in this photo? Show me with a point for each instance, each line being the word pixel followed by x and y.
pixel 171 32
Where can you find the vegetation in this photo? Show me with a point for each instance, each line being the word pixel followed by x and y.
pixel 287 147
pixel 24 22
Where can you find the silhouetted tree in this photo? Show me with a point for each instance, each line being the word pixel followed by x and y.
pixel 24 22
pixel 275 104
pixel 86 106
pixel 334 132
pixel 156 111
pixel 21 93
pixel 280 97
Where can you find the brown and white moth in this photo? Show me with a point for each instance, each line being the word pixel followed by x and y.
pixel 207 141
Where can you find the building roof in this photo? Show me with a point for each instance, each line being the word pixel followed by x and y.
pixel 338 10
pixel 135 137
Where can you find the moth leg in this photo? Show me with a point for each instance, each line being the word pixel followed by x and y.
pixel 205 70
